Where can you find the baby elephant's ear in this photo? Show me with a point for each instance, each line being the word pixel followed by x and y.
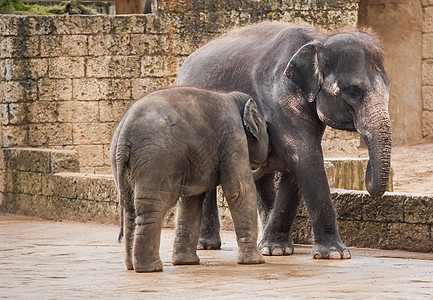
pixel 251 118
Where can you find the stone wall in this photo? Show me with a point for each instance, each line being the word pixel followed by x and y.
pixel 66 80
pixel 427 68
pixel 45 183
pixel 394 221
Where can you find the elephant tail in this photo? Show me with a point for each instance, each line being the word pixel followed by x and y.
pixel 122 157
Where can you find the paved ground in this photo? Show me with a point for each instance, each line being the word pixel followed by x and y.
pixel 65 260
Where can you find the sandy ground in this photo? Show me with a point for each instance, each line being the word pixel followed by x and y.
pixel 413 168
pixel 42 259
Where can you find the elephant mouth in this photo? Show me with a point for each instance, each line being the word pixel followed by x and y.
pixel 257 164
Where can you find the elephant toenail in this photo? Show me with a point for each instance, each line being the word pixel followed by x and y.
pixel 335 255
pixel 265 251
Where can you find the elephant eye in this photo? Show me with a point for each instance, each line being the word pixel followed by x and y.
pixel 354 92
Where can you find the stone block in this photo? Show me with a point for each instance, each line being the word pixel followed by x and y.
pixel 9 25
pixel 18 91
pixel 11 180
pixel 50 134
pixel 349 173
pixel 91 155
pixel 113 66
pixel 64 185
pixel 28 160
pixel 79 24
pixel 17 204
pixel 427 22
pixel 16 25
pixel 89 89
pixel 427 123
pixel 101 188
pixel 63 45
pixel 129 24
pixel 93 133
pixel 64 161
pixel 427 97
pixel 427 72
pixel 19 46
pixel 42 112
pixel 30 183
pixel 388 208
pixel 158 24
pixel 77 111
pixel 183 45
pixel 362 234
pixel 160 66
pixel 117 89
pixel 104 170
pixel 149 44
pixel 426 3
pixel 302 232
pixel 348 205
pixel 20 69
pixel 143 86
pixel 14 113
pixel 66 67
pixel 47 186
pixel 112 111
pixel 118 44
pixel 15 135
pixel 55 89
pixel 409 237
pixel 84 210
pixel 107 163
pixel 418 209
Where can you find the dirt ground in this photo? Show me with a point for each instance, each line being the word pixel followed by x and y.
pixel 413 168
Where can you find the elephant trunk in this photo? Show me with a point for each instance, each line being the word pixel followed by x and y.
pixel 378 141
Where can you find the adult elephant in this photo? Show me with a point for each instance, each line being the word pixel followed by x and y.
pixel 303 79
pixel 124 7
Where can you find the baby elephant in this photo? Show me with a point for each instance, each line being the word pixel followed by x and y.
pixel 182 142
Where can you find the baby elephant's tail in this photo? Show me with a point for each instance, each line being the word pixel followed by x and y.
pixel 122 158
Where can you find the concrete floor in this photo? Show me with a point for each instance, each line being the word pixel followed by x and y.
pixel 42 259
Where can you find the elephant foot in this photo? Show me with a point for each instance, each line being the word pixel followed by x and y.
pixel 185 259
pixel 250 257
pixel 330 251
pixel 279 246
pixel 129 265
pixel 209 243
pixel 154 266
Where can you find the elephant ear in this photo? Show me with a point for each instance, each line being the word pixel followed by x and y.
pixel 303 69
pixel 251 118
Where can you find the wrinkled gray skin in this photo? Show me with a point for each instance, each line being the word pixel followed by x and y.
pixel 302 79
pixel 182 142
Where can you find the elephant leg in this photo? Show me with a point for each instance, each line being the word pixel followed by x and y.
pixel 265 197
pixel 210 224
pixel 187 230
pixel 129 217
pixel 150 211
pixel 276 238
pixel 240 192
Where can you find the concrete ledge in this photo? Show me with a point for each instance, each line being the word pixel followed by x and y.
pixel 34 188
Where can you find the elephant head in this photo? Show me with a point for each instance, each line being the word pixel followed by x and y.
pixel 345 81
